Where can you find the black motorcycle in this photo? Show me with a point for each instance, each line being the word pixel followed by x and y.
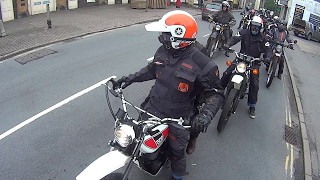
pixel 244 22
pixel 277 49
pixel 216 39
pixel 238 85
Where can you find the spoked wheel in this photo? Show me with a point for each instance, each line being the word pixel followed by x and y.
pixel 271 71
pixel 212 47
pixel 114 176
pixel 227 110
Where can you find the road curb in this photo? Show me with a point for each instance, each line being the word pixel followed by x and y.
pixel 303 128
pixel 10 55
pixel 21 51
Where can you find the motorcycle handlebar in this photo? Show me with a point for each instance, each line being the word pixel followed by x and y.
pixel 116 90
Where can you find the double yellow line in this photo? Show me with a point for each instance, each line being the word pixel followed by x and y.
pixel 289 158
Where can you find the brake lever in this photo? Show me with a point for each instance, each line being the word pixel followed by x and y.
pixel 115 86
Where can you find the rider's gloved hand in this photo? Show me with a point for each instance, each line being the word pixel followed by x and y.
pixel 124 82
pixel 200 122
pixel 226 46
pixel 291 45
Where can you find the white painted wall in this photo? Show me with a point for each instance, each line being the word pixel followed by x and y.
pixel 7 10
pixel 72 4
pixel 40 6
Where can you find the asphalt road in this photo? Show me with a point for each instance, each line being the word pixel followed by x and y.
pixel 60 142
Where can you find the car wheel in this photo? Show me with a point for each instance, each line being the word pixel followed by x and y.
pixel 309 36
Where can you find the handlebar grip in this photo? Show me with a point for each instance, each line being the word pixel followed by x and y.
pixel 115 85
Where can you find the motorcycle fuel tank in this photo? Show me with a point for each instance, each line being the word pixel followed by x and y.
pixel 155 139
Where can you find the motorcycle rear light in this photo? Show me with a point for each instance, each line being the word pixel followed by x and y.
pixel 255 71
pixel 229 63
pixel 150 143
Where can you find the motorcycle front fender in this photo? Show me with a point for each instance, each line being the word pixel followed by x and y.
pixel 104 165
pixel 214 34
pixel 237 80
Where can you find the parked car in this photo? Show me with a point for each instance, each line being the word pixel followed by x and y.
pixel 210 9
pixel 306 29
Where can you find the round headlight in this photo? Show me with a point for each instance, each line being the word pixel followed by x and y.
pixel 124 135
pixel 218 27
pixel 279 48
pixel 241 67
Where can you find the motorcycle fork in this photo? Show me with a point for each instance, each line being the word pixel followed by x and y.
pixel 134 156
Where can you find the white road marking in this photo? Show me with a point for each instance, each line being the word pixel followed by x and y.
pixel 206 35
pixel 35 117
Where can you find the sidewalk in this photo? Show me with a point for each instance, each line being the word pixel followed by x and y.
pixel 31 32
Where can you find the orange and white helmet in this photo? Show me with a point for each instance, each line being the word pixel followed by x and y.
pixel 179 27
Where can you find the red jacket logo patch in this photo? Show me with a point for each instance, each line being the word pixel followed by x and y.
pixel 183 87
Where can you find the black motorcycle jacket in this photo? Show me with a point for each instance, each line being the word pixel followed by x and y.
pixel 281 35
pixel 252 45
pixel 224 17
pixel 180 81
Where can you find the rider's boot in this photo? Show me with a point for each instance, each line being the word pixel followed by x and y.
pixel 191 146
pixel 252 112
pixel 279 76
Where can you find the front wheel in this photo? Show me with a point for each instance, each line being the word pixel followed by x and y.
pixel 271 72
pixel 227 110
pixel 212 47
pixel 114 176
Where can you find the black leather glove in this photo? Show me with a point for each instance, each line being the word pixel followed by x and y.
pixel 200 122
pixel 124 82
pixel 226 46
pixel 291 46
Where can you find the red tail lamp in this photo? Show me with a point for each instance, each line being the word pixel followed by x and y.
pixel 229 63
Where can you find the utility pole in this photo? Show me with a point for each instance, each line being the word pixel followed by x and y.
pixel 48 17
pixel 2 31
pixel 147 3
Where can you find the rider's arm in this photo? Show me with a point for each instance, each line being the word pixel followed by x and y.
pixel 214 93
pixel 234 39
pixel 215 17
pixel 288 39
pixel 232 21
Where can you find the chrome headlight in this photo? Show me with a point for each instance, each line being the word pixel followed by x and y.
pixel 218 27
pixel 124 135
pixel 241 67
pixel 279 48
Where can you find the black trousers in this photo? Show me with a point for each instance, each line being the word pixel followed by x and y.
pixel 227 34
pixel 178 140
pixel 254 83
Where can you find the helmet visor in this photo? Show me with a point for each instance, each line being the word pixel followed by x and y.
pixel 255 24
pixel 157 26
